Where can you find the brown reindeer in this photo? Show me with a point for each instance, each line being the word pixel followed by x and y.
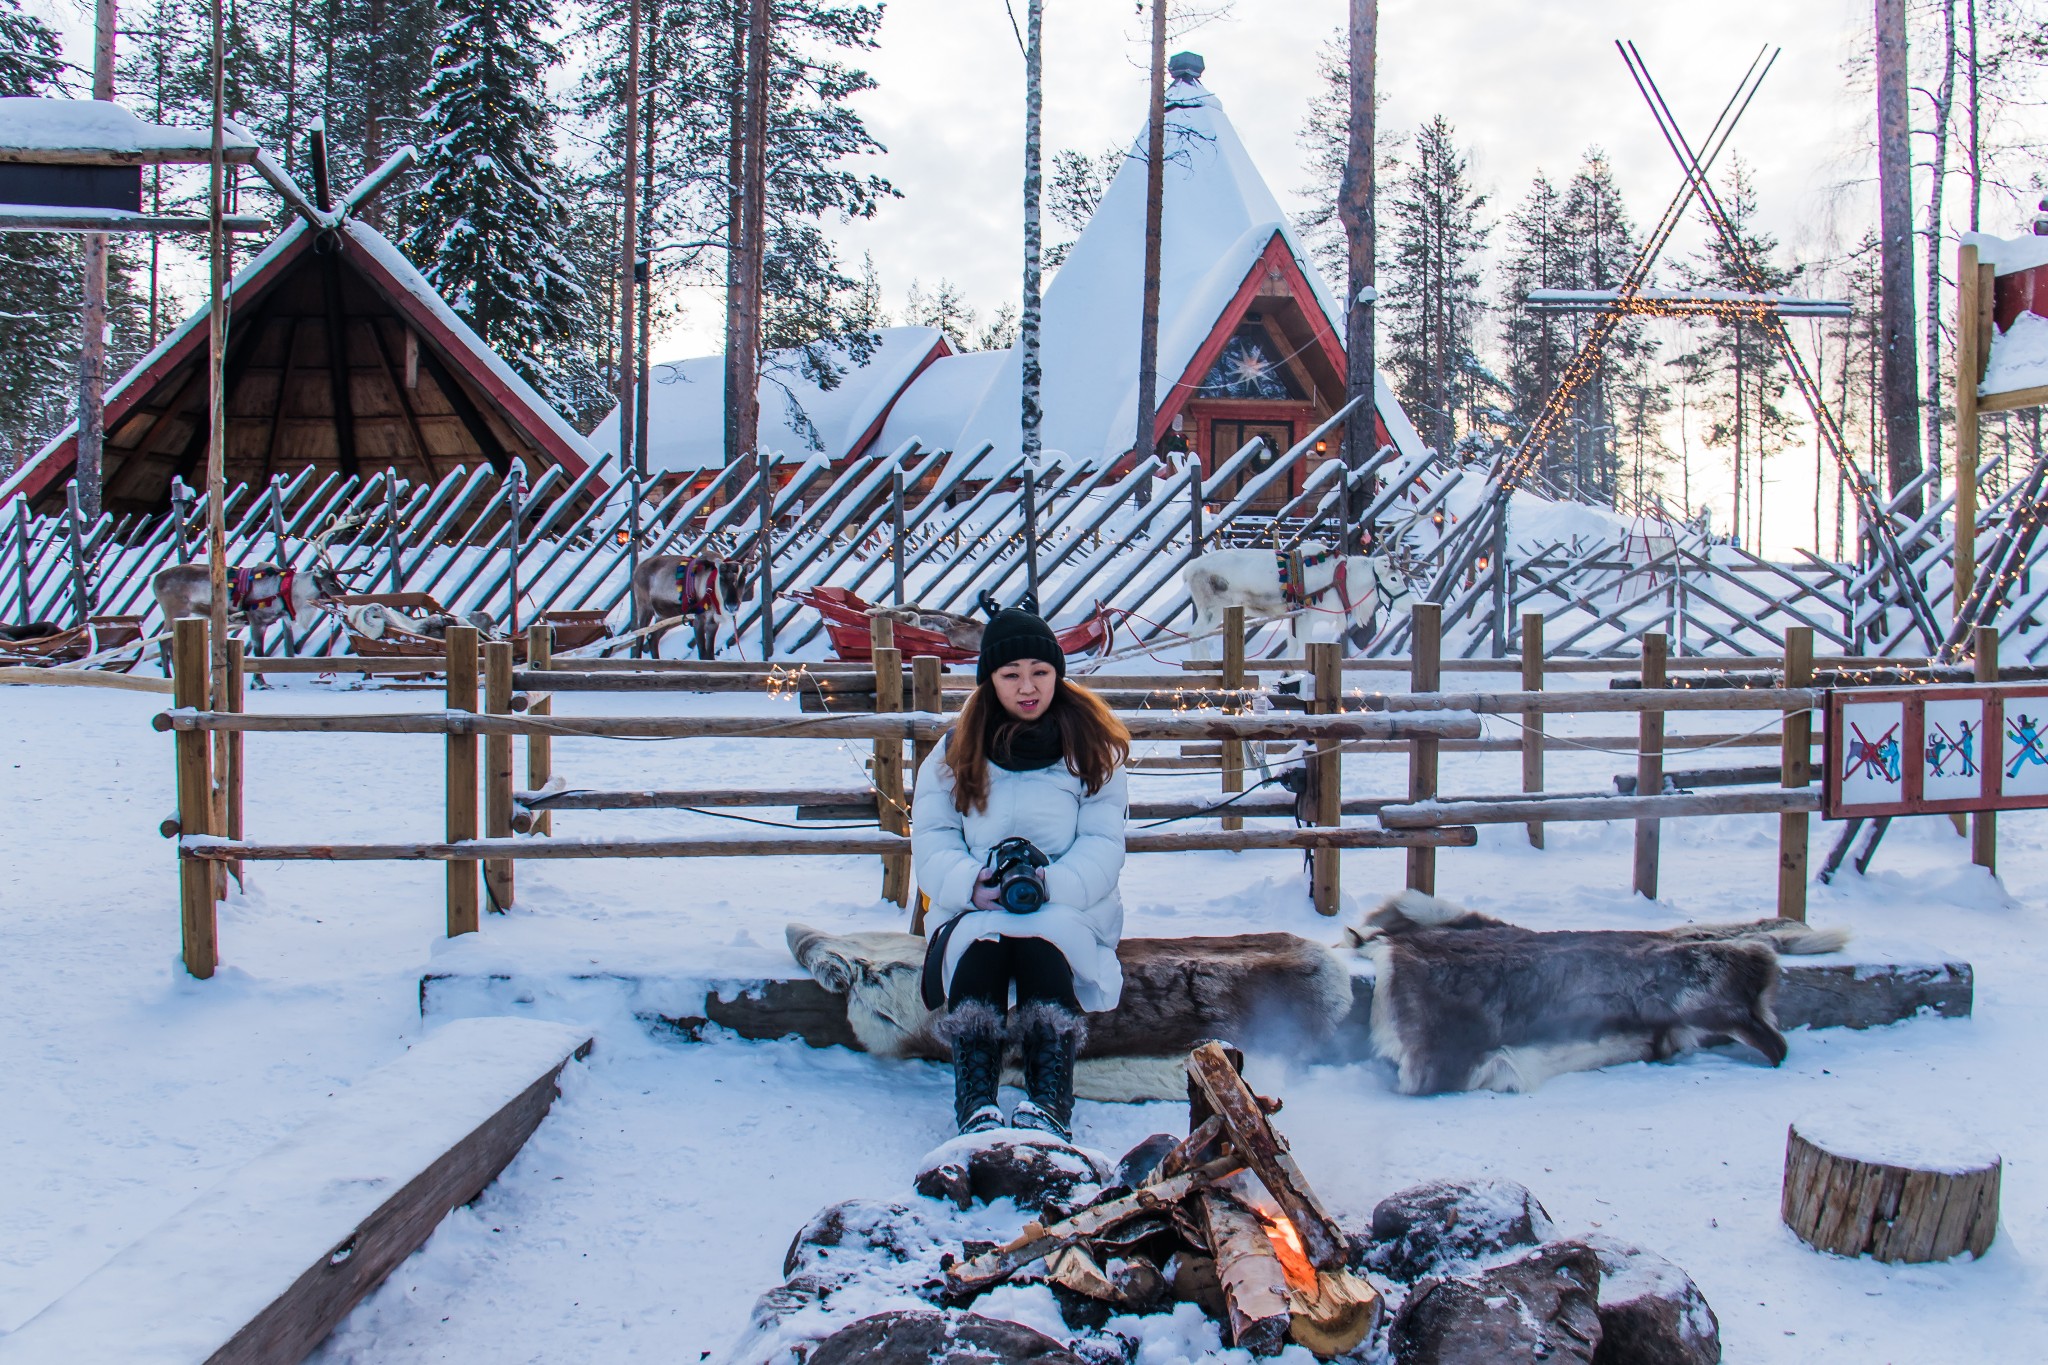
pixel 259 595
pixel 704 587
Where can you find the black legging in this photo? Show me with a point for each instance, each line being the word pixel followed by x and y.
pixel 1040 970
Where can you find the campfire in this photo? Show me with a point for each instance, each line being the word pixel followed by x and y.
pixel 1225 1218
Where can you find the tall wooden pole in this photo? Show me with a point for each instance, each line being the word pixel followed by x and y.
pixel 1895 231
pixel 1967 342
pixel 1031 414
pixel 1355 211
pixel 629 248
pixel 92 349
pixel 217 445
pixel 1155 192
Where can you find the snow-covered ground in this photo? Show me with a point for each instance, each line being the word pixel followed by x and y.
pixel 657 1201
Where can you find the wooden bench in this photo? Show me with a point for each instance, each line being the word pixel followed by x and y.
pixel 259 1269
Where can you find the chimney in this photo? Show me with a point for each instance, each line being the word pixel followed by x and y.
pixel 1185 68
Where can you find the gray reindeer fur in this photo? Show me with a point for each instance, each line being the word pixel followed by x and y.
pixel 1276 990
pixel 1465 1002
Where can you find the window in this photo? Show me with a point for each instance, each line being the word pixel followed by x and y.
pixel 1250 367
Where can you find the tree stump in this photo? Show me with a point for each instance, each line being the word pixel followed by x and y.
pixel 1855 1187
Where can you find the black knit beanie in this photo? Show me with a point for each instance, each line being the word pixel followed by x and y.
pixel 1016 634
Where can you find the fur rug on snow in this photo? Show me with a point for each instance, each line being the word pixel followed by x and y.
pixel 1464 1002
pixel 1275 991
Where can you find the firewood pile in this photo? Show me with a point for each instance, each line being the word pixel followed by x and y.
pixel 1030 1250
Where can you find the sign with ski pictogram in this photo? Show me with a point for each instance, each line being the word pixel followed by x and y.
pixel 1926 750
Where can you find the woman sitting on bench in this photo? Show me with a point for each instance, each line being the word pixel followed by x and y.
pixel 1017 836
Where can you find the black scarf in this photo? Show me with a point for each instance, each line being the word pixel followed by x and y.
pixel 1028 748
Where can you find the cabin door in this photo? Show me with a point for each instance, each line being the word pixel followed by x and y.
pixel 1227 437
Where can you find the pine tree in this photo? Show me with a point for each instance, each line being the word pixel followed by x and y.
pixel 945 308
pixel 1077 185
pixel 1733 364
pixel 1434 306
pixel 38 274
pixel 1603 248
pixel 489 221
pixel 1325 135
pixel 1539 345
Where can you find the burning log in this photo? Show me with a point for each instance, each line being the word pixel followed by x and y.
pixel 1330 1311
pixel 1258 1315
pixel 1253 1138
pixel 991 1268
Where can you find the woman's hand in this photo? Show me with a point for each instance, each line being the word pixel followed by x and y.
pixel 985 891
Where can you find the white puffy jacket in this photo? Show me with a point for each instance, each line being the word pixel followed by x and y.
pixel 1083 835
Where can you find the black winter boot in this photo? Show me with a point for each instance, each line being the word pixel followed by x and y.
pixel 1051 1036
pixel 975 1031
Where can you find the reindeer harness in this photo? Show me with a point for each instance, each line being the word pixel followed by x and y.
pixel 1294 567
pixel 697 586
pixel 244 597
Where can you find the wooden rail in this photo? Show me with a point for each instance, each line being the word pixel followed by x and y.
pixel 1429 814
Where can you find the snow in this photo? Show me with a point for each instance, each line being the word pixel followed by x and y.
pixel 655 1204
pixel 33 123
pixel 2019 356
pixel 1896 1135
pixel 930 410
pixel 686 402
pixel 2008 254
pixel 1218 217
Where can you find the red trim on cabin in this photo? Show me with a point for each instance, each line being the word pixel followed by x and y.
pixel 1275 255
pixel 940 349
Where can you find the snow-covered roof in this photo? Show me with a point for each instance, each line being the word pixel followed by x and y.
pixel 2008 254
pixel 59 453
pixel 930 410
pixel 33 128
pixel 1219 218
pixel 686 402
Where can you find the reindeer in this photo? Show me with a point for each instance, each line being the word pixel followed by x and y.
pixel 1356 587
pixel 259 595
pixel 704 587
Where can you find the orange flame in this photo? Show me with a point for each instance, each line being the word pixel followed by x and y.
pixel 1287 1245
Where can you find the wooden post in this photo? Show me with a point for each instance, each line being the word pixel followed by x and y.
pixel 1967 424
pixel 1796 757
pixel 1650 763
pixel 1984 824
pixel 1532 724
pixel 498 770
pixel 462 887
pixel 1426 626
pixel 1326 776
pixel 198 930
pixel 888 763
pixel 540 757
pixel 1233 678
pixel 925 695
pixel 231 778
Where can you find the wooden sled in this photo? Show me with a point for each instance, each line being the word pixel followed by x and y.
pixel 102 633
pixel 847 625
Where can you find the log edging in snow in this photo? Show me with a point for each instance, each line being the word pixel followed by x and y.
pixel 259 1269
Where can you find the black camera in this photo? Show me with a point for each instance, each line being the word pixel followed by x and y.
pixel 1017 869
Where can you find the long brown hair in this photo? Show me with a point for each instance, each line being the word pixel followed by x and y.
pixel 1094 742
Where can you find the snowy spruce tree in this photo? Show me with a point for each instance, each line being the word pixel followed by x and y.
pixel 489 221
pixel 38 273
pixel 1433 308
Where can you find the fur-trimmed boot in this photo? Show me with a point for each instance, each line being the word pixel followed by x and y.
pixel 1051 1037
pixel 975 1031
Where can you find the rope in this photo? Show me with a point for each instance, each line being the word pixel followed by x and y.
pixel 1211 810
pixel 539 802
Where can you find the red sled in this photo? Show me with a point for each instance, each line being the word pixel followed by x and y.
pixel 847 623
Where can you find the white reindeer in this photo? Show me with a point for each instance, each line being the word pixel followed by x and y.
pixel 1351 589
pixel 259 595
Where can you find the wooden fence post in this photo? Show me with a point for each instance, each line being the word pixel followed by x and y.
pixel 1425 633
pixel 231 779
pixel 1795 762
pixel 1233 679
pixel 1650 763
pixel 1984 824
pixel 1968 369
pixel 198 929
pixel 540 757
pixel 1326 662
pixel 498 770
pixel 888 764
pixel 925 696
pixel 1532 723
pixel 462 887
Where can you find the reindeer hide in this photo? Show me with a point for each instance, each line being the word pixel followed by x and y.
pixel 1464 1002
pixel 1275 991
